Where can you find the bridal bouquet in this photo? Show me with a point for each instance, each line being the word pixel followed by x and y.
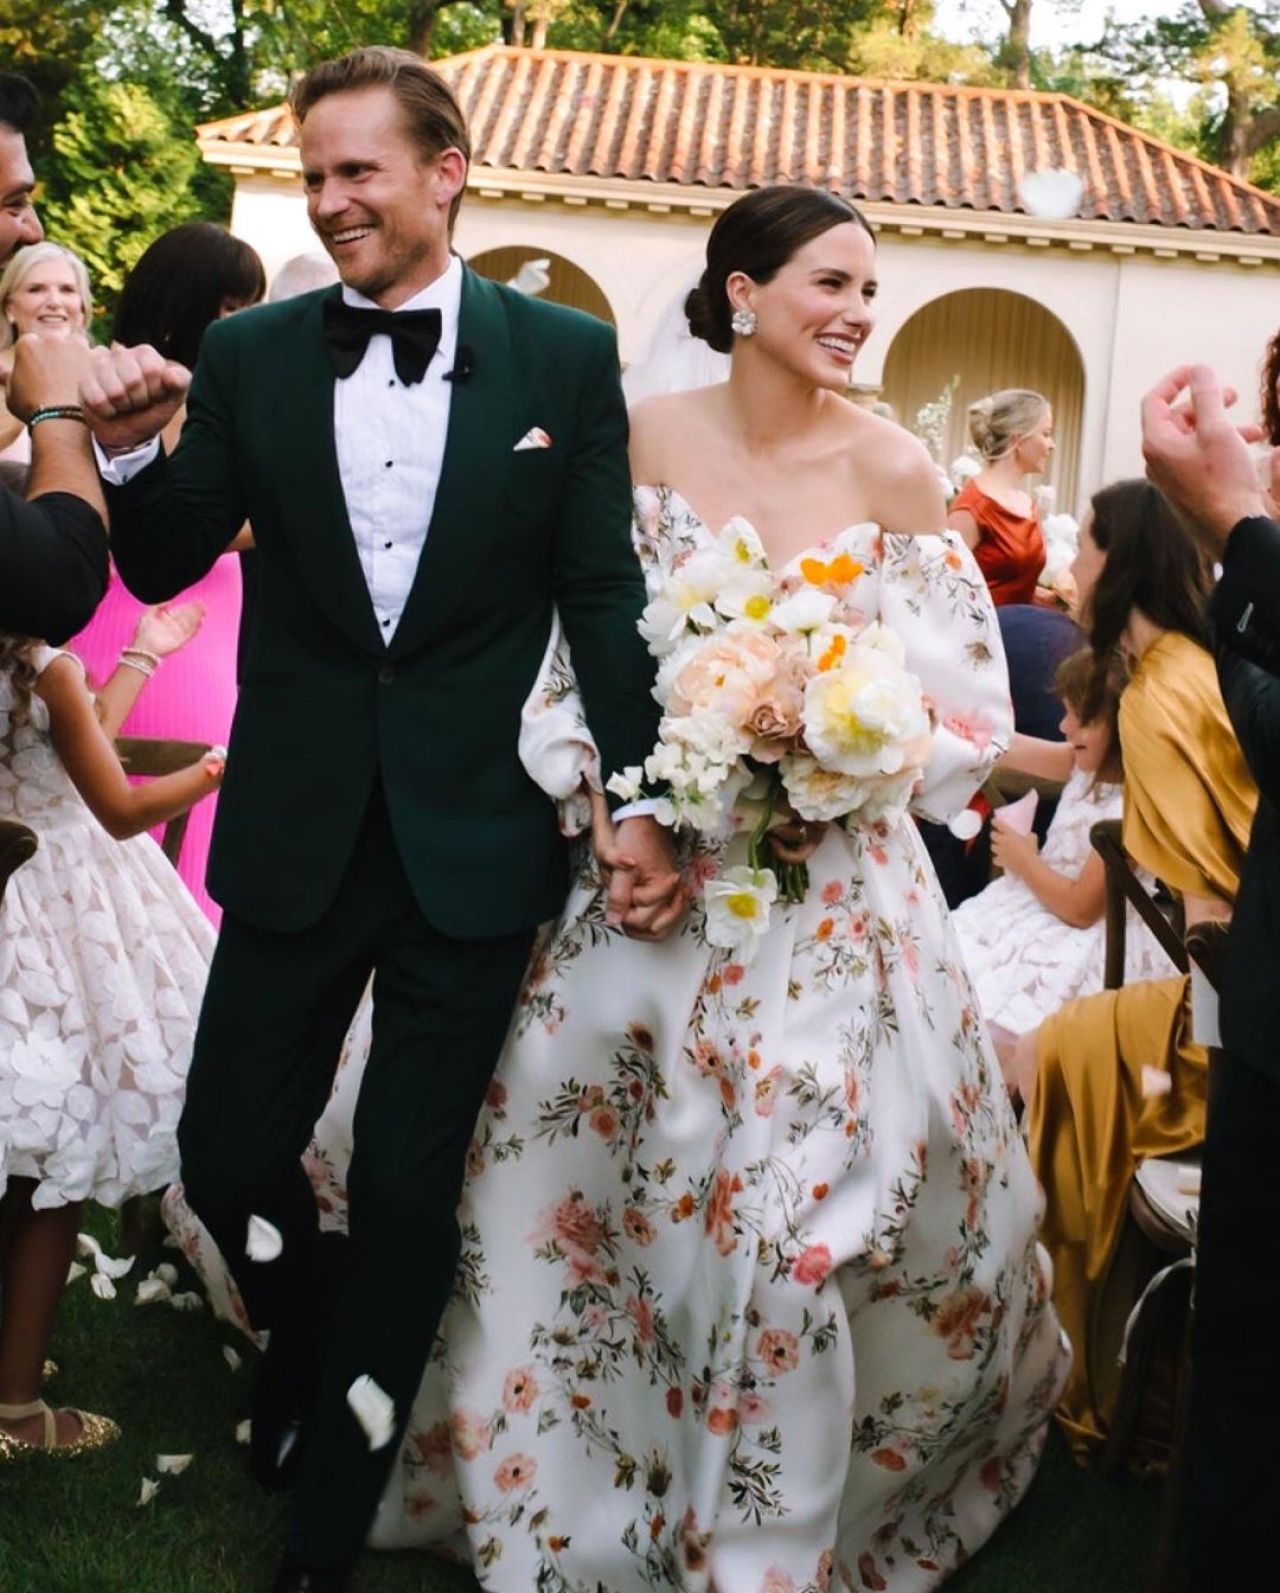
pixel 771 702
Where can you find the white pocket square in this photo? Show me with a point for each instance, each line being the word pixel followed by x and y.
pixel 535 437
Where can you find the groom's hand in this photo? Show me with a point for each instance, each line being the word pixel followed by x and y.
pixel 131 394
pixel 646 892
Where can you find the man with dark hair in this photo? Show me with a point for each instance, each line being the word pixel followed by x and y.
pixel 53 549
pixel 430 463
pixel 1199 460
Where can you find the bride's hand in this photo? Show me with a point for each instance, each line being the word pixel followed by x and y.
pixel 793 839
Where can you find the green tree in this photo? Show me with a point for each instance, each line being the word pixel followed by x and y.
pixel 124 172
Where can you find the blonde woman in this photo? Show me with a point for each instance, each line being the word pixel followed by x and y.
pixel 43 289
pixel 994 513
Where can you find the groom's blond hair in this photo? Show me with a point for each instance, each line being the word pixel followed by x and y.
pixel 433 117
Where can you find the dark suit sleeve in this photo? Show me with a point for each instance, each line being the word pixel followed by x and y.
pixel 53 565
pixel 1246 620
pixel 173 520
pixel 599 587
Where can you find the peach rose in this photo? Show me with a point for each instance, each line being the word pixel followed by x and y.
pixel 779 1350
pixel 576 1225
pixel 469 1432
pixel 812 1265
pixel 520 1389
pixel 637 1226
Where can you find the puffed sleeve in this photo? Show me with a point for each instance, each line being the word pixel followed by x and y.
pixel 933 595
pixel 556 747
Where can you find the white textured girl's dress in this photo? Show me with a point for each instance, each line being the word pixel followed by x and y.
pixel 1024 961
pixel 103 961
pixel 750 1296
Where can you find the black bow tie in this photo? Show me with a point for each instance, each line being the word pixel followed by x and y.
pixel 414 334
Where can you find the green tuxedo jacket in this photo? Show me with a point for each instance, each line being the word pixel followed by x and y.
pixel 326 708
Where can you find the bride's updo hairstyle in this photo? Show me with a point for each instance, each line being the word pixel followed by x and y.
pixel 757 235
pixel 999 422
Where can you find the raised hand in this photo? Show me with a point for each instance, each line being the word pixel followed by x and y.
pixel 647 896
pixel 1195 454
pixel 131 394
pixel 168 626
pixel 47 372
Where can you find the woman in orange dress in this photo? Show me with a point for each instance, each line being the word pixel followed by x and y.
pixel 994 512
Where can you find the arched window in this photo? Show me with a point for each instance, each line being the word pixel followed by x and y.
pixel 989 338
pixel 569 283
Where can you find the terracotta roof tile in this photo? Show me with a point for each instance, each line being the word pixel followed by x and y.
pixel 704 125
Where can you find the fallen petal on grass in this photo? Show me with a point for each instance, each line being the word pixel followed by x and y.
pixel 173 1465
pixel 264 1241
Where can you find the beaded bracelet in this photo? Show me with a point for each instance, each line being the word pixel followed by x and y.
pixel 146 663
pixel 56 412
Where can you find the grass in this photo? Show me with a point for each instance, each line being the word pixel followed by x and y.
pixel 75 1528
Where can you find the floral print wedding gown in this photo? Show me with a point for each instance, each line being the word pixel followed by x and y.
pixel 751 1298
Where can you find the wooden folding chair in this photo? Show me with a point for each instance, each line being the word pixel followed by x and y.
pixel 149 756
pixel 1163 1204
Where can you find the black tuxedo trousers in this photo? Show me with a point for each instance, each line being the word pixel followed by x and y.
pixel 275 1013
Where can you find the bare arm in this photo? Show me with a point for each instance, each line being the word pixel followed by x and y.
pixel 1045 760
pixel 90 759
pixel 962 521
pixel 1079 902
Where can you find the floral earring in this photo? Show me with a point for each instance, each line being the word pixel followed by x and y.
pixel 744 323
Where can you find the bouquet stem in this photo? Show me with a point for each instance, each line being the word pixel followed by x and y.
pixel 792 878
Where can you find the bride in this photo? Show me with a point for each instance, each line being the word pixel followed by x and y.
pixel 750 1297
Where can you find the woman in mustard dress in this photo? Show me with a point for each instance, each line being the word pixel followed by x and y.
pixel 1113 1078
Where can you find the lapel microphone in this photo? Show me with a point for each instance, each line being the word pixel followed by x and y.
pixel 464 364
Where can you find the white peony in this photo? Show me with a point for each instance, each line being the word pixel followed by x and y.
pixel 819 794
pixel 738 903
pixel 863 712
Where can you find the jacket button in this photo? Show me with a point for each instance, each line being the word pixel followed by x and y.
pixel 386 675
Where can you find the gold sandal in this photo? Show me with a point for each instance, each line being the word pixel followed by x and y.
pixel 96 1432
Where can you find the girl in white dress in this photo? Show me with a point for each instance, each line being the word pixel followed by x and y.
pixel 103 960
pixel 750 1295
pixel 1036 937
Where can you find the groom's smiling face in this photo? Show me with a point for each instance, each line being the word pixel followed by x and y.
pixel 378 203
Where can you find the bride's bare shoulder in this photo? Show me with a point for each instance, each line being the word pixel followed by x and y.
pixel 663 425
pixel 898 471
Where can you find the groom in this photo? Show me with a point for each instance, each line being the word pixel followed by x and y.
pixel 429 463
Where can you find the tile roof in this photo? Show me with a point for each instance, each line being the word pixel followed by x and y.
pixel 704 125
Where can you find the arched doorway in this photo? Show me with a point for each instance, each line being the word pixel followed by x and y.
pixel 986 339
pixel 569 283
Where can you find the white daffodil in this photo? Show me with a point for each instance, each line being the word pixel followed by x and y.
pixel 264 1241
pixel 740 542
pixel 374 1410
pixel 747 597
pixel 738 904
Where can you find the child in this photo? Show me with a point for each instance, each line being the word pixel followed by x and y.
pixel 1035 937
pixel 103 960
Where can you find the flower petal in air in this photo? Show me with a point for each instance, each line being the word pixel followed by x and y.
pixel 150 1488
pixel 173 1465
pixel 374 1410
pixel 264 1241
pixel 231 1357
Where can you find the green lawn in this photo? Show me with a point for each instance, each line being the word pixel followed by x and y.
pixel 74 1528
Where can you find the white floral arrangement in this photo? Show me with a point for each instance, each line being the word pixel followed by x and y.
pixel 770 703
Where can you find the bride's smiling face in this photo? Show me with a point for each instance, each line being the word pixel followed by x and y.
pixel 815 314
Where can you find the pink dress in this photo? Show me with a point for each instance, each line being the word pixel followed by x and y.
pixel 192 696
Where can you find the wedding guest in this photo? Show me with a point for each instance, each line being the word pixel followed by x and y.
pixel 994 513
pixel 44 289
pixel 1116 1077
pixel 1198 458
pixel 187 279
pixel 103 960
pixel 1035 937
pixel 53 551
